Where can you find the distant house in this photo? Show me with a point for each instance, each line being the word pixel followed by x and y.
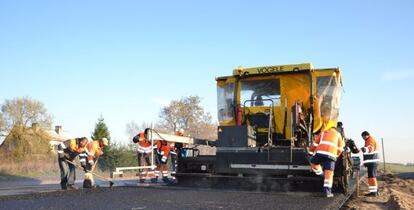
pixel 34 133
pixel 58 135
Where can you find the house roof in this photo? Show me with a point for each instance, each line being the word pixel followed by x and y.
pixel 62 136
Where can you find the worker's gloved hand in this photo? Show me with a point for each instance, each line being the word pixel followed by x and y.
pixel 363 149
pixel 135 139
pixel 91 162
pixel 164 159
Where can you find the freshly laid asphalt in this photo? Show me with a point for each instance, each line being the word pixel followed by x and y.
pixel 136 197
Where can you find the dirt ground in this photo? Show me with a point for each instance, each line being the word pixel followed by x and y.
pixel 396 192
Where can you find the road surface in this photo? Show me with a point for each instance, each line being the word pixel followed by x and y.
pixel 136 197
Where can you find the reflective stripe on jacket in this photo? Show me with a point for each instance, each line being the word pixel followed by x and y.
pixel 163 150
pixel 371 151
pixel 328 143
pixel 144 147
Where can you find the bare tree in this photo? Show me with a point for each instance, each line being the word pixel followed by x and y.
pixel 188 114
pixel 132 128
pixel 204 128
pixel 22 112
pixel 2 123
pixel 2 129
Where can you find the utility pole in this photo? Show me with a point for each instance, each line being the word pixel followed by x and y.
pixel 383 153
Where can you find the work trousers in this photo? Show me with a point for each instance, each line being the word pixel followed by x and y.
pixel 372 177
pixel 328 168
pixel 144 160
pixel 67 173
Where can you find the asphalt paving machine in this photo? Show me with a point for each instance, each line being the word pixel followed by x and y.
pixel 268 116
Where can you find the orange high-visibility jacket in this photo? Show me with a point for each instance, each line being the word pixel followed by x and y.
pixel 163 150
pixel 93 150
pixel 328 143
pixel 144 147
pixel 371 151
pixel 71 146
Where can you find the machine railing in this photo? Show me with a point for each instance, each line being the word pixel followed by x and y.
pixel 120 170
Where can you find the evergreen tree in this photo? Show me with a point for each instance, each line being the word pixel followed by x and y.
pixel 102 131
pixel 114 155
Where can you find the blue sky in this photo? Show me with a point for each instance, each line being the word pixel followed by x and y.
pixel 125 59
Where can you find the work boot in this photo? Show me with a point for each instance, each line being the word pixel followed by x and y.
pixel 154 180
pixel 372 194
pixel 87 183
pixel 329 195
pixel 71 187
pixel 173 180
pixel 328 192
pixel 165 180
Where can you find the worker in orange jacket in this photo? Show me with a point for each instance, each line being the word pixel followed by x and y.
pixel 144 152
pixel 68 151
pixel 371 159
pixel 163 151
pixel 325 150
pixel 93 151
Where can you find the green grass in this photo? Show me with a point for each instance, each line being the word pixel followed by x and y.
pixel 396 168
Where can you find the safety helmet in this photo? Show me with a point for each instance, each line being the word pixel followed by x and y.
pixel 105 141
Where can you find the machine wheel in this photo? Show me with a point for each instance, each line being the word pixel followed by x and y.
pixel 343 173
pixel 344 184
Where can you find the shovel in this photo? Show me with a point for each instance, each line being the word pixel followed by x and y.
pixel 111 183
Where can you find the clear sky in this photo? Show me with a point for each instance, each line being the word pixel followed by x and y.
pixel 124 60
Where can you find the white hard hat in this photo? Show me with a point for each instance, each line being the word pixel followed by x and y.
pixel 105 141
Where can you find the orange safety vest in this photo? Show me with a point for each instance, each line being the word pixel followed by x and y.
pixel 328 143
pixel 371 151
pixel 72 146
pixel 163 150
pixel 144 147
pixel 93 150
